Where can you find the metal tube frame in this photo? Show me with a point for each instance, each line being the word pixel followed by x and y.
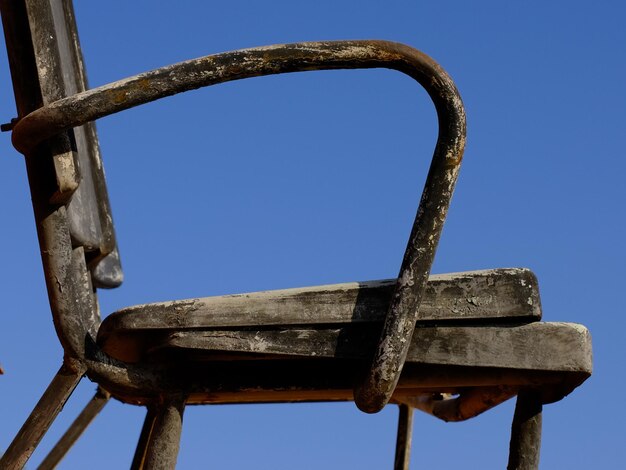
pixel 42 417
pixel 404 437
pixel 76 429
pixel 164 441
pixel 380 381
pixel 41 130
pixel 525 443
pixel 72 296
pixel 144 438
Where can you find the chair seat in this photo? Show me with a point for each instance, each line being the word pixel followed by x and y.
pixel 229 366
pixel 488 296
pixel 476 329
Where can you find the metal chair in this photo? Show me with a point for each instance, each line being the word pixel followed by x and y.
pixel 451 345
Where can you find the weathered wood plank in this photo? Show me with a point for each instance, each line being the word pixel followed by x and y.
pixel 89 209
pixel 554 357
pixel 490 295
pixel 536 346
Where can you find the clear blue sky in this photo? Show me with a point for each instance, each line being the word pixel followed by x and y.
pixel 313 178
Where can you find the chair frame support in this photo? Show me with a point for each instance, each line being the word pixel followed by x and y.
pixel 164 441
pixel 76 429
pixel 379 383
pixel 62 262
pixel 404 436
pixel 144 438
pixel 526 432
pixel 49 120
pixel 41 418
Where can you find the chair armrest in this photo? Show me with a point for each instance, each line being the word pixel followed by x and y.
pixel 375 390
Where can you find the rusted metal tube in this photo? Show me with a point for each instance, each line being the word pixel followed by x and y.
pixel 526 432
pixel 84 419
pixel 164 441
pixel 144 438
pixel 109 99
pixel 377 387
pixel 40 419
pixel 403 439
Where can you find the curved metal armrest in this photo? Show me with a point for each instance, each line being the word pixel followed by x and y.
pixel 377 387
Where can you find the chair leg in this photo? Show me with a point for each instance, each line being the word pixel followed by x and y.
pixel 164 441
pixel 77 428
pixel 40 419
pixel 526 432
pixel 144 438
pixel 403 439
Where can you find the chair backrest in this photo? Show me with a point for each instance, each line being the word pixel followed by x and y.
pixel 47 65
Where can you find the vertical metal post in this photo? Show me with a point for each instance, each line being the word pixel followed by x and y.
pixel 40 419
pixel 164 441
pixel 526 432
pixel 403 439
pixel 144 438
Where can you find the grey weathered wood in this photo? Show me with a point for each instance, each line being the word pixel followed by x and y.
pixel 40 419
pixel 536 346
pixel 106 271
pixel 321 365
pixel 403 438
pixel 77 428
pixel 91 198
pixel 526 432
pixel 498 295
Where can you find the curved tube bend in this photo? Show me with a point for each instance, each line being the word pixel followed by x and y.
pixel 375 390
